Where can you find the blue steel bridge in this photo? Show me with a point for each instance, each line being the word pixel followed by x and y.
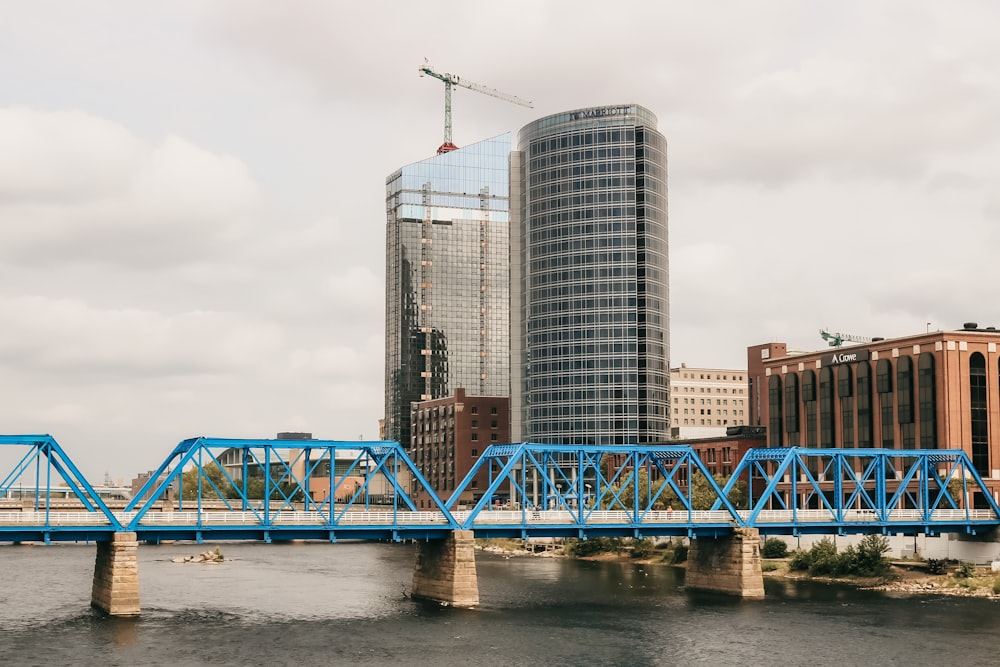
pixel 238 489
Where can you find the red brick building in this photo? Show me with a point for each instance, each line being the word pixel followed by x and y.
pixel 447 435
pixel 935 390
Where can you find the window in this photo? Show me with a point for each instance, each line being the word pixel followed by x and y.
pixel 475 409
pixel 475 452
pixel 809 399
pixel 493 437
pixel 978 414
pixel 883 386
pixel 845 390
pixel 904 401
pixel 493 410
pixel 474 437
pixel 774 411
pixel 927 403
pixel 792 409
pixel 826 417
pixel 865 438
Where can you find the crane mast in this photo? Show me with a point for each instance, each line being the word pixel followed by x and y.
pixel 450 80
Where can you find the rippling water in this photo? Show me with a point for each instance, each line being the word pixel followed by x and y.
pixel 345 604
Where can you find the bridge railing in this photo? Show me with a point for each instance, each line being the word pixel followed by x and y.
pixel 294 518
pixel 40 519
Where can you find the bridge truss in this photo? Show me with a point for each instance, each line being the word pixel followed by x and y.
pixel 240 489
pixel 595 491
pixel 304 489
pixel 41 483
pixel 800 490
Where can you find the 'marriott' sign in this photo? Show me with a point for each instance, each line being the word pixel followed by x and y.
pixel 601 111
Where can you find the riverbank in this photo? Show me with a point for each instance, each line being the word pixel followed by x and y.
pixel 904 578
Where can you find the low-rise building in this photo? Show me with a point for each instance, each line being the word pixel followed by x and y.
pixel 932 390
pixel 707 401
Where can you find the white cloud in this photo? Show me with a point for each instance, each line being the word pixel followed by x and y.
pixel 74 187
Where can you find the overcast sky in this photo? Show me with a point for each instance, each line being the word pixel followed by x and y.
pixel 192 194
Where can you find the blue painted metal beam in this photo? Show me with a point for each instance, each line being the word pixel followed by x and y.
pixel 44 469
pixel 553 491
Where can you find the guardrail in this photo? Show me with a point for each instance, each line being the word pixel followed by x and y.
pixel 358 518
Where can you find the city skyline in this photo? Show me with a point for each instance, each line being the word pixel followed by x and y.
pixel 192 201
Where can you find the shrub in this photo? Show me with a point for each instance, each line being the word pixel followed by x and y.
pixel 768 567
pixel 774 548
pixel 965 570
pixel 869 559
pixel 597 545
pixel 936 565
pixel 642 548
pixel 800 561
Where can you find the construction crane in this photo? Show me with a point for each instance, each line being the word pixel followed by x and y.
pixel 838 339
pixel 455 80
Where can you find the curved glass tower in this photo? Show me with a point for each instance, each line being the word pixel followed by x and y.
pixel 447 310
pixel 589 279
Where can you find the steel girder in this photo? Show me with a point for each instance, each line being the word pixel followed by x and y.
pixel 365 482
pixel 587 491
pixel 863 491
pixel 42 468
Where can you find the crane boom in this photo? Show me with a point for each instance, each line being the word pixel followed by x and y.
pixel 838 339
pixel 450 80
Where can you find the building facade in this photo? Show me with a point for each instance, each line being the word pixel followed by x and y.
pixel 935 390
pixel 449 434
pixel 589 279
pixel 707 401
pixel 447 274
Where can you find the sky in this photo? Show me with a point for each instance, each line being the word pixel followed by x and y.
pixel 192 194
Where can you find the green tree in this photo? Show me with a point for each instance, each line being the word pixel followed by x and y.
pixel 212 475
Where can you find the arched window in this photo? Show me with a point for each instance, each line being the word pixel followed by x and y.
pixel 827 430
pixel 979 416
pixel 774 411
pixel 845 391
pixel 883 386
pixel 927 401
pixel 809 403
pixel 864 399
pixel 792 409
pixel 904 401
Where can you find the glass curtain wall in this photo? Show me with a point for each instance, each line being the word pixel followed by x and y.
pixel 592 350
pixel 447 279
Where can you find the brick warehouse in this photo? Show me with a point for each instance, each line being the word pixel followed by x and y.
pixel 935 390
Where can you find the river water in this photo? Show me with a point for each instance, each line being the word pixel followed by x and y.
pixel 346 604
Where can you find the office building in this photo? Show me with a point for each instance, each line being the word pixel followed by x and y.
pixel 589 277
pixel 933 390
pixel 447 296
pixel 707 401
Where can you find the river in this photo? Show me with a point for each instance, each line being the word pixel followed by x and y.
pixel 346 604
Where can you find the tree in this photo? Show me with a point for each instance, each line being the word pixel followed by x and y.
pixel 213 475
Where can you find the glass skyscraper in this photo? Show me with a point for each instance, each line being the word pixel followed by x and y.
pixel 447 279
pixel 589 284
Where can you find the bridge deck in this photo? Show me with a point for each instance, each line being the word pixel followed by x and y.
pixel 388 524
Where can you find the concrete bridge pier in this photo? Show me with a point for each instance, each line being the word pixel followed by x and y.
pixel 116 576
pixel 729 565
pixel 445 571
